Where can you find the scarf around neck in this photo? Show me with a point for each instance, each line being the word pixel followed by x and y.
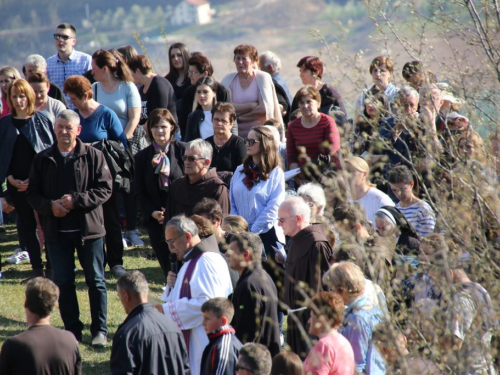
pixel 161 163
pixel 252 175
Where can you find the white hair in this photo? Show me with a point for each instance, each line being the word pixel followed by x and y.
pixel 183 224
pixel 70 116
pixel 36 60
pixel 205 148
pixel 298 206
pixel 270 58
pixel 316 193
pixel 407 92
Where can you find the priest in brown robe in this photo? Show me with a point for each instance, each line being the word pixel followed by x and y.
pixel 309 257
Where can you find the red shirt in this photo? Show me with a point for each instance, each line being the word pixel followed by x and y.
pixel 312 138
pixel 332 355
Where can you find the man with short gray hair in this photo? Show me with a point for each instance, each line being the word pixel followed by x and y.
pixel 203 275
pixel 147 342
pixel 37 64
pixel 68 184
pixel 309 257
pixel 200 181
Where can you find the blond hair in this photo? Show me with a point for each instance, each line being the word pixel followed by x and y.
pixel 360 165
pixel 347 277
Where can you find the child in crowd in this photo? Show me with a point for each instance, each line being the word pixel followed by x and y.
pixel 221 354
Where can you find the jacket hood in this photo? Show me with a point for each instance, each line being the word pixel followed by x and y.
pixel 210 177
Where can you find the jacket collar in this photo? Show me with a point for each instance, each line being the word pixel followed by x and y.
pixel 221 331
pixel 207 245
pixel 80 149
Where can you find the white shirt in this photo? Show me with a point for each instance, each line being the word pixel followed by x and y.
pixel 372 201
pixel 206 127
pixel 210 279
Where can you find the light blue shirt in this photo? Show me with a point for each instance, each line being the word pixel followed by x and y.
pixel 360 317
pixel 390 92
pixel 259 205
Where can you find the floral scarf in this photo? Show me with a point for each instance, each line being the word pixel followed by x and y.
pixel 252 175
pixel 161 163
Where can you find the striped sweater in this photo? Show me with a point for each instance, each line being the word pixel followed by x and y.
pixel 420 216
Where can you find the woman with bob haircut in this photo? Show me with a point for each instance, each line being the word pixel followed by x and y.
pixel 157 166
pixel 258 187
pixel 155 91
pixel 253 93
pixel 315 132
pixel 364 192
pixel 311 74
pixel 23 133
pixel 287 363
pixel 381 69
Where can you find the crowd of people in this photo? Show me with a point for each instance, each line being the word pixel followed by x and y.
pixel 376 237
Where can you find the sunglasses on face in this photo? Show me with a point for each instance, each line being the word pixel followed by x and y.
pixel 62 37
pixel 250 141
pixel 191 159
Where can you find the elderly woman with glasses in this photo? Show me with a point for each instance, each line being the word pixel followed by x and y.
pixel 156 167
pixel 258 187
pixel 229 149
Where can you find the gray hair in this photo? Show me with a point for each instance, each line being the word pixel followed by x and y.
pixel 406 92
pixel 36 60
pixel 270 58
pixel 134 282
pixel 251 242
pixel 316 193
pixel 70 116
pixel 183 224
pixel 205 148
pixel 298 206
pixel 256 358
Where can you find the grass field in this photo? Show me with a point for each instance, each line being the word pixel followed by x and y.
pixel 12 319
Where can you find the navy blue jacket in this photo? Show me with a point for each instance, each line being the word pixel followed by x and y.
pixel 221 354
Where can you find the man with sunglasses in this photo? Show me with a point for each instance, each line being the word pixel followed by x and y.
pixel 200 181
pixel 67 61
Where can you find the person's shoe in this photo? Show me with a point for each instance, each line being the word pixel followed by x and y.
pixel 36 272
pixel 19 256
pixel 134 238
pixel 99 340
pixel 118 270
pixel 125 241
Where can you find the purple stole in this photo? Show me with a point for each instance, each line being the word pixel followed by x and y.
pixel 186 292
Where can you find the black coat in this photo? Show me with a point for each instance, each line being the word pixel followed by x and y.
pixel 148 342
pixel 194 121
pixel 255 303
pixel 147 192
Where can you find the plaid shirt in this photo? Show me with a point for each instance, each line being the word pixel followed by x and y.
pixel 58 70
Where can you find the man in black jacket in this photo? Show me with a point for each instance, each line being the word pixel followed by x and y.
pixel 255 297
pixel 69 182
pixel 147 342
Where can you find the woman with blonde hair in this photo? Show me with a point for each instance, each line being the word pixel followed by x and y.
pixel 362 191
pixel 234 224
pixel 23 133
pixel 258 186
pixel 7 75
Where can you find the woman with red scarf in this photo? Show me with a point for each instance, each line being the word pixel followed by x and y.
pixel 156 167
pixel 258 187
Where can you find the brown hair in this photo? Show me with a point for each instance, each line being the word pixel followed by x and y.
pixel 23 87
pixel 247 50
pixel 308 91
pixel 209 208
pixel 237 223
pixel 205 227
pixel 312 63
pixel 173 74
pixel 127 52
pixel 224 108
pixel 140 62
pixel 270 158
pixel 155 117
pixel 287 363
pixel 41 296
pixel 114 62
pixel 219 306
pixel 38 78
pixel 78 85
pixel 382 60
pixel 329 305
pixel 202 63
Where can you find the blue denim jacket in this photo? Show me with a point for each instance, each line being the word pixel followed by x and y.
pixel 360 317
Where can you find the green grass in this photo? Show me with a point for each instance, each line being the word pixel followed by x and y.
pixel 12 319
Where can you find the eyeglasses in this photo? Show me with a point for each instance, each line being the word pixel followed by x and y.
pixel 171 242
pixel 220 121
pixel 62 37
pixel 192 72
pixel 282 220
pixel 191 159
pixel 250 141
